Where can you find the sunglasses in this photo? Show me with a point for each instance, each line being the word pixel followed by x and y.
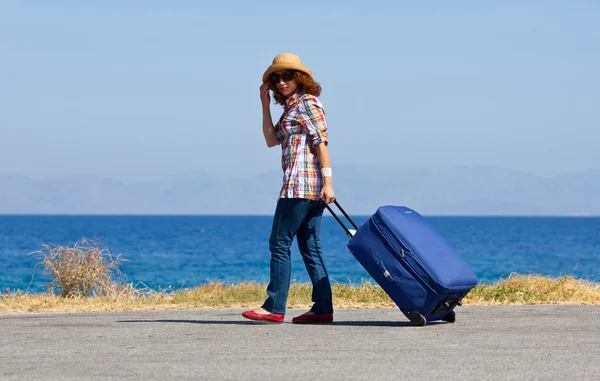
pixel 287 76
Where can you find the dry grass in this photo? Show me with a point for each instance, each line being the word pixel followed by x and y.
pixel 517 289
pixel 83 280
pixel 536 289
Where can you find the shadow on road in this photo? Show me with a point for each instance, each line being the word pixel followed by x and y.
pixel 243 322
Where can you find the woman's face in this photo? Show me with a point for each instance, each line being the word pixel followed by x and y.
pixel 284 82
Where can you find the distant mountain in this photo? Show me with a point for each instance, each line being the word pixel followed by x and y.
pixel 360 190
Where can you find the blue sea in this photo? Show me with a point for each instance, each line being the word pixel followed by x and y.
pixel 185 251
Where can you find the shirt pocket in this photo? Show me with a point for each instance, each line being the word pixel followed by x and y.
pixel 290 124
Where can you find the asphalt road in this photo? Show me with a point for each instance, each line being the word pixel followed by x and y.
pixel 485 343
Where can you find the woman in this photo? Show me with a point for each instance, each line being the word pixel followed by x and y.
pixel 307 183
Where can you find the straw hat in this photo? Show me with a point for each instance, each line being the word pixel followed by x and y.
pixel 285 61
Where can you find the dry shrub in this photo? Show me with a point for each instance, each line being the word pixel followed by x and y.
pixel 82 270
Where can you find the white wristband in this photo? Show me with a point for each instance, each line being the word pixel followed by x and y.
pixel 326 172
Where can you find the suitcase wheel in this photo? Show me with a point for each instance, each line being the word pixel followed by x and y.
pixel 450 317
pixel 415 318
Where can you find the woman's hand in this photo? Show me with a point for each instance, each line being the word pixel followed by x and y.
pixel 327 193
pixel 265 97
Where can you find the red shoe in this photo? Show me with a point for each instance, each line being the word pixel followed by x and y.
pixel 275 318
pixel 313 318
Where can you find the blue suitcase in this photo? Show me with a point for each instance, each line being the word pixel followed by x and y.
pixel 412 263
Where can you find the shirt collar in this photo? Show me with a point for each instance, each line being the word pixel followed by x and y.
pixel 289 102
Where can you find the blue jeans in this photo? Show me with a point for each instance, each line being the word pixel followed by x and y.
pixel 300 218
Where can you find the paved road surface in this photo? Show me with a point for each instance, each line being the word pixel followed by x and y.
pixel 486 343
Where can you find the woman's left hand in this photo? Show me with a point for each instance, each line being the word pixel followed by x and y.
pixel 327 194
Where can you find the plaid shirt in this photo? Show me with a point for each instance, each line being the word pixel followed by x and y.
pixel 301 127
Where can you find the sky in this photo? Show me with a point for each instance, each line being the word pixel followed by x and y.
pixel 139 90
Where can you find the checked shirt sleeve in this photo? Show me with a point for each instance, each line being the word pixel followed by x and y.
pixel 278 133
pixel 312 118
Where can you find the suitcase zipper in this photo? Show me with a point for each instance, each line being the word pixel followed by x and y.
pixel 402 254
pixel 414 257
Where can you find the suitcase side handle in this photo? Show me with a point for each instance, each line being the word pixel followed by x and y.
pixel 384 271
pixel 349 233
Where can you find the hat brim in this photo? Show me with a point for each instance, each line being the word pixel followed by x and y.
pixel 284 66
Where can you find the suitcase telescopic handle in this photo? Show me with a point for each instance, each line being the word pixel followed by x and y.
pixel 349 233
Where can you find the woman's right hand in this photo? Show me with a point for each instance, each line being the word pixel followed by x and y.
pixel 265 97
